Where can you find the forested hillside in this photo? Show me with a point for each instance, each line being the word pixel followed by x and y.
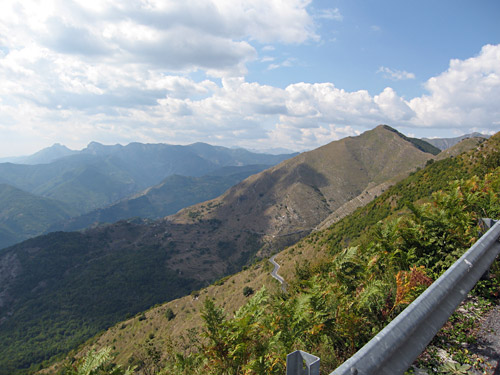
pixel 107 181
pixel 169 196
pixel 25 215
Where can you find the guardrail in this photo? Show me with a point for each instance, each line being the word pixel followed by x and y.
pixel 394 349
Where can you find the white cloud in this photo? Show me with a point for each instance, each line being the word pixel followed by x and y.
pixel 94 68
pixel 464 96
pixel 178 109
pixel 171 35
pixel 76 71
pixel 395 75
pixel 330 14
pixel 393 107
pixel 284 64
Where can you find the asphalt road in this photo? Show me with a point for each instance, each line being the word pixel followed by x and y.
pixel 274 273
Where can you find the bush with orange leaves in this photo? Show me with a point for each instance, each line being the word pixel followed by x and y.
pixel 410 284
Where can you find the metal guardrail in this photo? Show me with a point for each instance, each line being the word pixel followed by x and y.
pixel 394 349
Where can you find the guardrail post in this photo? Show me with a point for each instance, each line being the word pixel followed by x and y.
pixel 302 363
pixel 488 224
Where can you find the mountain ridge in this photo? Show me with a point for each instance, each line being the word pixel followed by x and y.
pixel 445 143
pixel 24 214
pixel 351 157
pixel 100 175
pixel 109 173
pixel 169 196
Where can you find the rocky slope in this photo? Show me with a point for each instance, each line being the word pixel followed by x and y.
pixel 289 200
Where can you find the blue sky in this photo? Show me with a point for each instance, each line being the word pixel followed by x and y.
pixel 252 73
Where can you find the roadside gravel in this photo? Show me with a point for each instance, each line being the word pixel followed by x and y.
pixel 488 342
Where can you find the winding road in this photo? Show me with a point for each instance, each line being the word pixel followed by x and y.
pixel 274 273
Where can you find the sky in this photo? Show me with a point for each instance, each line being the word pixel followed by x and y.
pixel 258 74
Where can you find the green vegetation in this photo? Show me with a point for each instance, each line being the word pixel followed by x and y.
pixel 172 194
pixel 74 289
pixel 338 305
pixel 97 363
pixel 418 186
pixel 23 215
pixel 169 314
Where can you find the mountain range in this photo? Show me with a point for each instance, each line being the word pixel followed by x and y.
pixel 59 289
pixel 445 143
pixel 334 275
pixel 99 176
pixel 103 184
pixel 166 198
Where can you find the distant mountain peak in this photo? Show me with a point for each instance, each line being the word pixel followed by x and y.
pixel 47 155
pixel 96 148
pixel 58 146
pixel 445 143
pixel 94 144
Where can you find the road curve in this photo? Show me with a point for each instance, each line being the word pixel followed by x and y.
pixel 274 273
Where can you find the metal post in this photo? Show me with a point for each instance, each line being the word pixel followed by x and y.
pixel 302 363
pixel 489 222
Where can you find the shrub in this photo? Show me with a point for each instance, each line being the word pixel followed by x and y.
pixel 247 291
pixel 169 314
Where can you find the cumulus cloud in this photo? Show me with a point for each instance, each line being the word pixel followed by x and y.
pixel 465 95
pixel 393 107
pixel 173 35
pixel 102 66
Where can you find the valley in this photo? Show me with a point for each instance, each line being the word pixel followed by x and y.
pixel 104 184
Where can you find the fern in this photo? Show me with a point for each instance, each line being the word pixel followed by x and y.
pixel 98 363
